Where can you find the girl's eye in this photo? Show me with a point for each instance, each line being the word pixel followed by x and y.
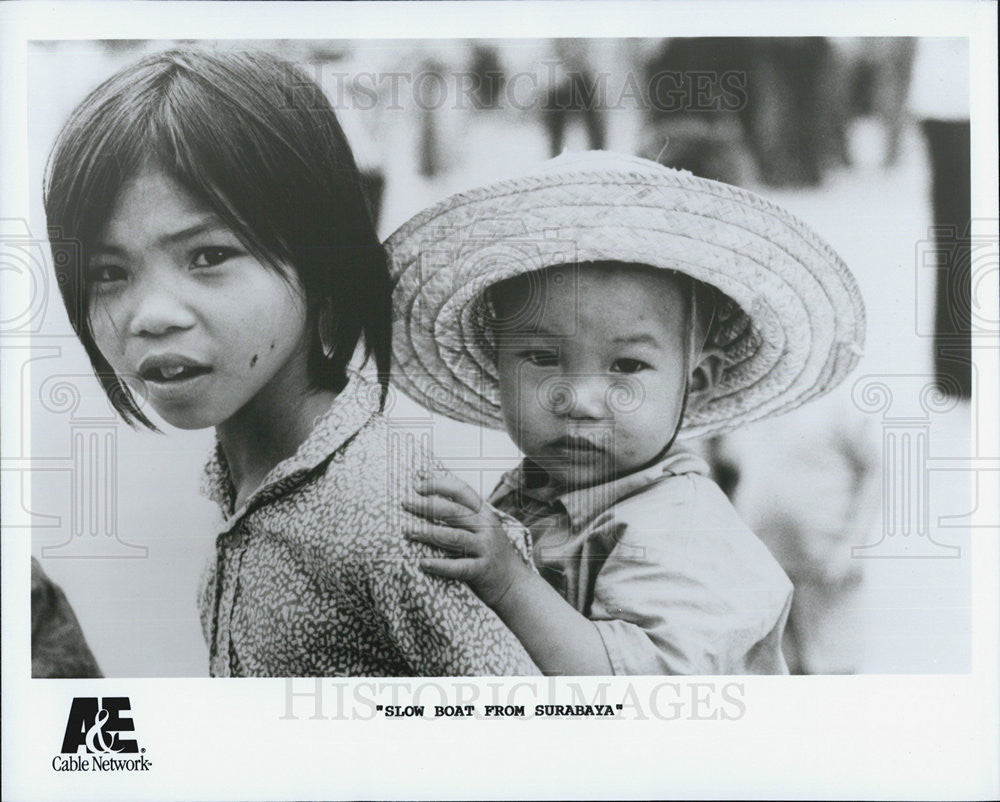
pixel 542 359
pixel 106 274
pixel 210 257
pixel 629 366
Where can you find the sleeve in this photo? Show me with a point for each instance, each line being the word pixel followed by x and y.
pixel 688 589
pixel 518 534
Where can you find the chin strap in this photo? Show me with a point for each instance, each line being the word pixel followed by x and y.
pixel 688 361
pixel 680 420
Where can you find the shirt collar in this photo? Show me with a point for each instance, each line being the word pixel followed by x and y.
pixel 584 504
pixel 353 407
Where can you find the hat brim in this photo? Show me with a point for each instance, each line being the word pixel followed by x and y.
pixel 806 317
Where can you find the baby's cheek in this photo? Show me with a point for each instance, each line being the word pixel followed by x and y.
pixel 638 438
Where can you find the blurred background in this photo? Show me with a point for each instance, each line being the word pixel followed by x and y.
pixel 864 497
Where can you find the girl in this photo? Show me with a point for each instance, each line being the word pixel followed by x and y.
pixel 226 270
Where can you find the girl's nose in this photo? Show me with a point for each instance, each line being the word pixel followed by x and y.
pixel 159 310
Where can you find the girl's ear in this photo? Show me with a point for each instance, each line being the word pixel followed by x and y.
pixel 706 376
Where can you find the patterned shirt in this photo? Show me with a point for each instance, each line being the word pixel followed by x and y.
pixel 312 576
pixel 661 563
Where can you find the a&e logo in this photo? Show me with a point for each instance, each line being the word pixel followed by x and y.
pixel 97 725
pixel 94 738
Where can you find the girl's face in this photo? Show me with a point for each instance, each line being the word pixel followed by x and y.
pixel 187 315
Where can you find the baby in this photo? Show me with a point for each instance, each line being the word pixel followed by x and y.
pixel 665 306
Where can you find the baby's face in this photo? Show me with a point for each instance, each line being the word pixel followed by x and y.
pixel 186 314
pixel 592 367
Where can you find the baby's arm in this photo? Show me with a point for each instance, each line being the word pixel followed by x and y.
pixel 559 639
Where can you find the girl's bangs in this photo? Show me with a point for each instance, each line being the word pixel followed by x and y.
pixel 199 139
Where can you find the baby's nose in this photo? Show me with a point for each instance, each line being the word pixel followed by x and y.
pixel 583 397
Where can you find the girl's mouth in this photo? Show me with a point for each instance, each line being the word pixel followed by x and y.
pixel 173 373
pixel 168 369
pixel 174 384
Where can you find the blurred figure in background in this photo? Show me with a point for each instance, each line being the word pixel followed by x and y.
pixel 430 157
pixel 694 106
pixel 574 93
pixel 488 75
pixel 939 98
pixel 338 64
pixel 796 110
pixel 743 110
pixel 809 484
pixel 878 73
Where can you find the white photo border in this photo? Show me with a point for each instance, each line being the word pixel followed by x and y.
pixel 804 737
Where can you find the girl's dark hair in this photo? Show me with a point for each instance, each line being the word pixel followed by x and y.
pixel 255 140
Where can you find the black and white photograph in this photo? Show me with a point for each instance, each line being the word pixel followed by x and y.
pixel 363 379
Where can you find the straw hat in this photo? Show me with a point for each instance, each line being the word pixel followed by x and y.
pixel 795 330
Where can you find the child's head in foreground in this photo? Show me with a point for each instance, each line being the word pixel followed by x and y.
pixel 224 252
pixel 683 308
pixel 598 362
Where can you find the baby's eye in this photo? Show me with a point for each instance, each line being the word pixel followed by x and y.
pixel 542 358
pixel 629 366
pixel 210 257
pixel 105 274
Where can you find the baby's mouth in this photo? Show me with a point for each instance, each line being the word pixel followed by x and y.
pixel 577 445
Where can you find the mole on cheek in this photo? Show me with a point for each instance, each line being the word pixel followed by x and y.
pixel 254 360
pixel 272 345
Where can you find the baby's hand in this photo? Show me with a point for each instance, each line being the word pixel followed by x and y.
pixel 460 523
